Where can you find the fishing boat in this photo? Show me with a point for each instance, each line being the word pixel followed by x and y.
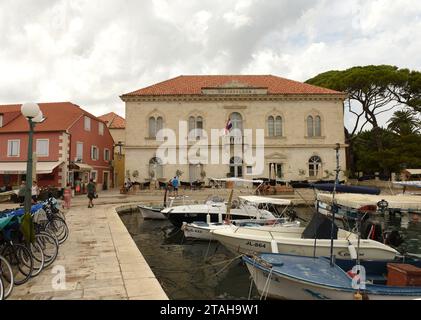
pixel 151 212
pixel 200 230
pixel 281 276
pixel 301 241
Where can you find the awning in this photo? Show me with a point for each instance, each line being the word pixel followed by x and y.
pixel 413 171
pixel 261 200
pixel 416 184
pixel 82 167
pixel 20 167
pixel 357 201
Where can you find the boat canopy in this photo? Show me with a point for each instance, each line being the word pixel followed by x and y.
pixel 357 201
pixel 237 180
pixel 416 184
pixel 261 200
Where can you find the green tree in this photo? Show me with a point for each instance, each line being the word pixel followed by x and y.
pixel 404 123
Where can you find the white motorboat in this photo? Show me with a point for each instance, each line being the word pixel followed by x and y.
pixel 203 231
pixel 215 212
pixel 300 241
pixel 151 212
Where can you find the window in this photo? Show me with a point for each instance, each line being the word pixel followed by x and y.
pixel 314 166
pixel 42 148
pixel 79 151
pixel 13 148
pixel 310 132
pixel 275 126
pixel 155 125
pixel 236 167
pixel 249 170
pixel 94 153
pixel 94 175
pixel 275 171
pixel 106 154
pixel 237 121
pixel 314 126
pixel 87 123
pixel 1 120
pixel 317 126
pixel 101 129
pixel 195 127
pixel 271 126
pixel 278 126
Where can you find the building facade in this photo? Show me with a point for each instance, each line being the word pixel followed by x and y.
pixel 70 147
pixel 300 124
pixel 117 125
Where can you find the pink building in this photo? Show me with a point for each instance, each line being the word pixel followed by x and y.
pixel 71 146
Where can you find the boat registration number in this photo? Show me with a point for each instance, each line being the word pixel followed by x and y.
pixel 255 244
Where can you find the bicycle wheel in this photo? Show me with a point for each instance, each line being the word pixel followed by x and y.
pixel 1 290
pixel 49 246
pixel 59 227
pixel 38 258
pixel 6 273
pixel 21 261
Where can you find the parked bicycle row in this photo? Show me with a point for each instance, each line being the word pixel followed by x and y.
pixel 29 243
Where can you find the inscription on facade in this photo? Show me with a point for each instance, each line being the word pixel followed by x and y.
pixel 235 91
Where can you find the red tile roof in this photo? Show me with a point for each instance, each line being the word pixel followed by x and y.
pixel 113 120
pixel 193 85
pixel 59 116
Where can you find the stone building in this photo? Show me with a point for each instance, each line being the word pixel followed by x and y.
pixel 301 125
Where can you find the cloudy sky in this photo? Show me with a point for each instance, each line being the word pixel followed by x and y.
pixel 91 51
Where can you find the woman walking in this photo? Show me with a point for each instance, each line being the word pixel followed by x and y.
pixel 91 192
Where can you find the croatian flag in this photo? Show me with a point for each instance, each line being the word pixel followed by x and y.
pixel 228 127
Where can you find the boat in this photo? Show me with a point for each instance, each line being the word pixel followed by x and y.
pixel 214 212
pixel 152 212
pixel 282 276
pixel 380 203
pixel 346 189
pixel 301 241
pixel 200 230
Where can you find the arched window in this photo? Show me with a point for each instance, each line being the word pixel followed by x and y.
pixel 278 126
pixel 237 121
pixel 152 127
pixel 271 126
pixel 317 126
pixel 314 166
pixel 156 168
pixel 310 127
pixel 236 167
pixel 192 124
pixel 195 127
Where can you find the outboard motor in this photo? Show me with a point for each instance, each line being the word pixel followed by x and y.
pixel 393 238
pixel 291 214
pixel 372 230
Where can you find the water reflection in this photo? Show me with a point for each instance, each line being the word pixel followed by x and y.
pixel 196 270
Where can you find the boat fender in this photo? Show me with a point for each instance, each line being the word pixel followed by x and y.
pixel 220 217
pixel 352 252
pixel 274 246
pixel 208 218
pixel 184 226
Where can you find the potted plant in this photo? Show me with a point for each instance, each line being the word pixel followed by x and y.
pixel 179 173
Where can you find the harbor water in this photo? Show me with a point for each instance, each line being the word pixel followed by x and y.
pixel 194 270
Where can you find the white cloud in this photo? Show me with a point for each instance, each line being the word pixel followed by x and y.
pixel 92 51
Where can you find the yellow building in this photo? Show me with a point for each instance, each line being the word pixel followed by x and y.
pixel 300 124
pixel 117 125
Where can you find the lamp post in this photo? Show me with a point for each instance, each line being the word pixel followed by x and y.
pixel 33 114
pixel 119 145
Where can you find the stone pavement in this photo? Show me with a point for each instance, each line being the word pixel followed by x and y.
pixel 100 259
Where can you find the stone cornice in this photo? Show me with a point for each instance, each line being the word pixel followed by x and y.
pixel 225 98
pixel 298 146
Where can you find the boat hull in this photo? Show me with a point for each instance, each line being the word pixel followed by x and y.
pixel 150 213
pixel 250 242
pixel 283 287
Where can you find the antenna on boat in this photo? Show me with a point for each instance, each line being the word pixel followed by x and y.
pixel 228 215
pixel 334 207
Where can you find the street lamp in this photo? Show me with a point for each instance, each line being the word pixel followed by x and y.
pixel 33 114
pixel 119 145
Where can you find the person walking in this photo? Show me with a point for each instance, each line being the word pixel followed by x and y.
pixel 35 192
pixel 22 191
pixel 175 184
pixel 91 192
